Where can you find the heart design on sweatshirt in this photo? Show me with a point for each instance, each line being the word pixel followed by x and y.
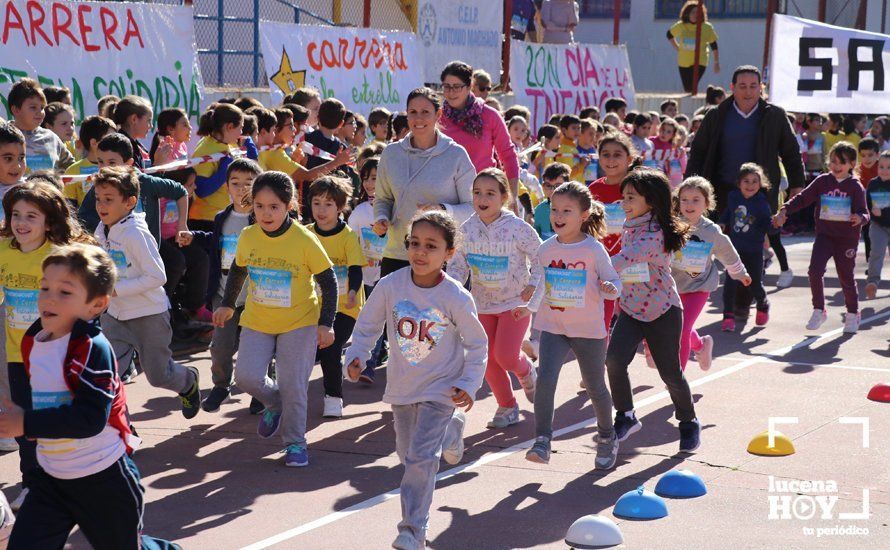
pixel 418 331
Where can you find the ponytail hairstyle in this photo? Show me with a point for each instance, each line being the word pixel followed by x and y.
pixel 61 226
pixel 500 178
pixel 655 189
pixel 369 164
pixel 53 110
pixel 620 138
pixel 131 105
pixel 282 185
pixel 167 120
pixel 595 224
pixel 217 116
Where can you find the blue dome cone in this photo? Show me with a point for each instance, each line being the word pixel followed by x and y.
pixel 680 484
pixel 640 504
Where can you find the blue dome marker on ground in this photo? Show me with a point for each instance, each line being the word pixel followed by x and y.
pixel 640 504
pixel 680 484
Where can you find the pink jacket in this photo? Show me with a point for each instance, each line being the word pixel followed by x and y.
pixel 494 139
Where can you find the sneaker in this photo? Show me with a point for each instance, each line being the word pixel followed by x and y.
pixel 505 416
pixel 7 518
pixel 871 290
pixel 453 444
pixel 256 406
pixel 214 399
pixel 406 541
pixel 540 451
pixel 767 258
pixel 728 324
pixel 785 279
pixel 269 422
pixel 367 375
pixel 202 315
pixel 851 323
pixel 531 348
pixel 333 407
pixel 16 504
pixel 529 382
pixel 690 436
pixel 625 425
pixel 8 445
pixel 705 355
pixel 818 317
pixel 606 452
pixel 191 400
pixel 762 317
pixel 296 456
pixel 129 376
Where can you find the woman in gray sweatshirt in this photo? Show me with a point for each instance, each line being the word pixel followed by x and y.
pixel 426 170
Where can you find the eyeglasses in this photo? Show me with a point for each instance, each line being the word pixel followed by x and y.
pixel 453 87
pixel 484 88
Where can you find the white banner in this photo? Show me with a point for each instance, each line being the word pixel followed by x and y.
pixel 821 68
pixel 551 78
pixel 363 68
pixel 101 48
pixel 468 30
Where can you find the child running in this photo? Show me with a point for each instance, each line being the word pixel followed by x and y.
pixel 650 305
pixel 437 364
pixel 746 221
pixel 498 250
pixel 327 198
pixel 577 276
pixel 78 416
pixel 878 198
pixel 842 211
pixel 694 271
pixel 38 220
pixel 282 316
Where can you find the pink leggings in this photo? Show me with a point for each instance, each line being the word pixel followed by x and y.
pixel 505 335
pixel 693 304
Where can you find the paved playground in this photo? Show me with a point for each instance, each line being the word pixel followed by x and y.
pixel 213 483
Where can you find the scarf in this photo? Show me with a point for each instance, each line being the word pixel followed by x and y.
pixel 468 119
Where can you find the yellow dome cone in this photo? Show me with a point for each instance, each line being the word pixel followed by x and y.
pixel 782 446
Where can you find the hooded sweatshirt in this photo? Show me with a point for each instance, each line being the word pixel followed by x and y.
pixel 692 268
pixel 556 17
pixel 502 259
pixel 408 177
pixel 436 340
pixel 140 272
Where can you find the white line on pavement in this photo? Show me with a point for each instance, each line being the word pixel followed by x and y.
pixel 767 359
pixel 493 457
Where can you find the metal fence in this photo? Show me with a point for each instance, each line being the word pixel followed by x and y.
pixel 717 9
pixel 603 9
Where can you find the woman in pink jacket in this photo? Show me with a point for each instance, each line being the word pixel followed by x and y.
pixel 475 126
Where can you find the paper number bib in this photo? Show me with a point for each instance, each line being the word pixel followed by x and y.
pixel 693 258
pixel 488 271
pixel 565 287
pixel 120 262
pixel 270 287
pixel 342 273
pixel 615 218
pixel 881 199
pixel 373 245
pixel 636 273
pixel 227 247
pixel 834 209
pixel 21 307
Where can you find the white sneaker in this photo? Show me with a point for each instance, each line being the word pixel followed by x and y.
pixel 7 518
pixel 453 444
pixel 705 355
pixel 8 445
pixel 851 323
pixel 531 348
pixel 818 317
pixel 16 504
pixel 333 407
pixel 529 383
pixel 503 417
pixel 785 279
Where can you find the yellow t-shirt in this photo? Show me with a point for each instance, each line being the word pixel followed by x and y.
pixel 684 33
pixel 566 153
pixel 208 207
pixel 829 140
pixel 71 145
pixel 77 190
pixel 280 290
pixel 277 159
pixel 20 275
pixel 344 249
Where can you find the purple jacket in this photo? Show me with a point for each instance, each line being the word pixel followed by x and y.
pixel 827 185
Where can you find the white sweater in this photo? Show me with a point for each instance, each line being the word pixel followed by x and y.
pixel 140 272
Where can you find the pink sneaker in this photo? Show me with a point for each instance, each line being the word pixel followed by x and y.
pixel 762 317
pixel 728 324
pixel 203 315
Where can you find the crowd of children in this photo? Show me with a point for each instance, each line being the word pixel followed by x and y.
pixel 264 237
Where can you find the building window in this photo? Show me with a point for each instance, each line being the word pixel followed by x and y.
pixel 717 9
pixel 603 9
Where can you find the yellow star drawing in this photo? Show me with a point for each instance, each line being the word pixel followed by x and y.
pixel 286 78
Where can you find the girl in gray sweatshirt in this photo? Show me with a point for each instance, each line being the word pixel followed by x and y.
pixel 436 363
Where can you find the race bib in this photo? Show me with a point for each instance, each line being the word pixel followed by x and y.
pixel 881 199
pixel 614 218
pixel 675 166
pixel 21 307
pixel 270 287
pixel 342 273
pixel 518 23
pixel 652 163
pixel 120 262
pixel 489 272
pixel 565 288
pixel 689 44
pixel 227 249
pixel 39 162
pixel 171 213
pixel 636 273
pixel 694 257
pixel 547 234
pixel 834 209
pixel 373 245
pixel 590 173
